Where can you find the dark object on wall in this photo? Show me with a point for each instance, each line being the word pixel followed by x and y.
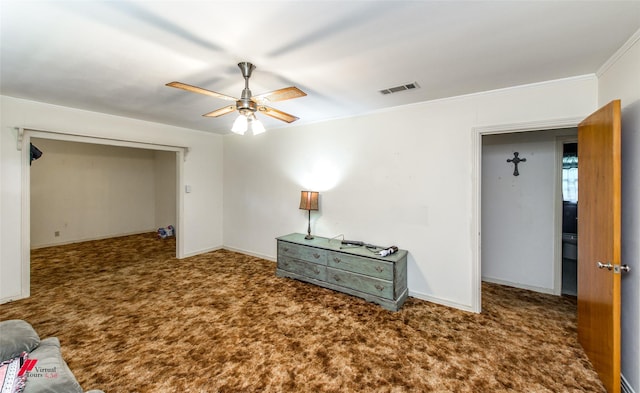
pixel 516 160
pixel 35 153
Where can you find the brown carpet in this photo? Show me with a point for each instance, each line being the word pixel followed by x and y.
pixel 132 318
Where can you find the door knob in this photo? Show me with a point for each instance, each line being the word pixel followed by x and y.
pixel 624 268
pixel 607 265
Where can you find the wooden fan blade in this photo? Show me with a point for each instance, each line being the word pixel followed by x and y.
pixel 276 114
pixel 196 89
pixel 221 111
pixel 286 93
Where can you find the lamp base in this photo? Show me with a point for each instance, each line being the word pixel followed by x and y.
pixel 309 237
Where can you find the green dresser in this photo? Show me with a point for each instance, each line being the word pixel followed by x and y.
pixel 353 270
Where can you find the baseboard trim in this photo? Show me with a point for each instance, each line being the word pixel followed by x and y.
pixel 90 239
pixel 492 280
pixel 417 295
pixel 625 387
pixel 253 254
pixel 203 251
pixel 9 299
pixel 442 302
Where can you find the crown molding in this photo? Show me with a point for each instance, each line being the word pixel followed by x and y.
pixel 619 53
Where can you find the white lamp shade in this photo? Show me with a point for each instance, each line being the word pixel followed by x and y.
pixel 257 127
pixel 240 125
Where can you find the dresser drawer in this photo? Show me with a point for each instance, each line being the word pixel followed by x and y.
pixel 374 286
pixel 303 268
pixel 367 266
pixel 304 253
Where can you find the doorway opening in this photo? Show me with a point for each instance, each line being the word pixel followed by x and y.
pixel 173 155
pixel 570 219
pixel 521 243
pixel 549 279
pixel 85 191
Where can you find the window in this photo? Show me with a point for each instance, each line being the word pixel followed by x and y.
pixel 570 178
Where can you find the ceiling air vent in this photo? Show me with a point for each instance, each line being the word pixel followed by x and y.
pixel 396 89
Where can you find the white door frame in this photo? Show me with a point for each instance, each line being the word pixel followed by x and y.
pixel 24 141
pixel 476 207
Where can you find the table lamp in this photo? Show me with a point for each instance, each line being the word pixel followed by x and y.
pixel 309 201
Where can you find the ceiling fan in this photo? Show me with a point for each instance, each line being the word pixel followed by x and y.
pixel 248 105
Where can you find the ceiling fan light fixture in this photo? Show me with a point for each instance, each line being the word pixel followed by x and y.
pixel 256 126
pixel 248 104
pixel 240 125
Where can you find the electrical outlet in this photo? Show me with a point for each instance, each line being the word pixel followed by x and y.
pixel 56 233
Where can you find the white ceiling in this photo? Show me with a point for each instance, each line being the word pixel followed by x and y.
pixel 116 56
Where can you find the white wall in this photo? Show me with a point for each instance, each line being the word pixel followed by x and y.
pixel 202 169
pixel 402 176
pixel 518 220
pixel 88 191
pixel 620 78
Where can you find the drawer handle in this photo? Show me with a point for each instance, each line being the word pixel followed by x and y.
pixel 316 270
pixel 285 249
pixel 379 269
pixel 316 255
pixel 337 260
pixel 285 263
pixel 379 287
pixel 336 278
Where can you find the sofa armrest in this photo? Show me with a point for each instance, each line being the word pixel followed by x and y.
pixel 16 336
pixel 50 372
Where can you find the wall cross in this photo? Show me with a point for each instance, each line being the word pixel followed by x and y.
pixel 516 160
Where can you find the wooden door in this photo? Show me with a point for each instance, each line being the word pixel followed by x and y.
pixel 599 241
